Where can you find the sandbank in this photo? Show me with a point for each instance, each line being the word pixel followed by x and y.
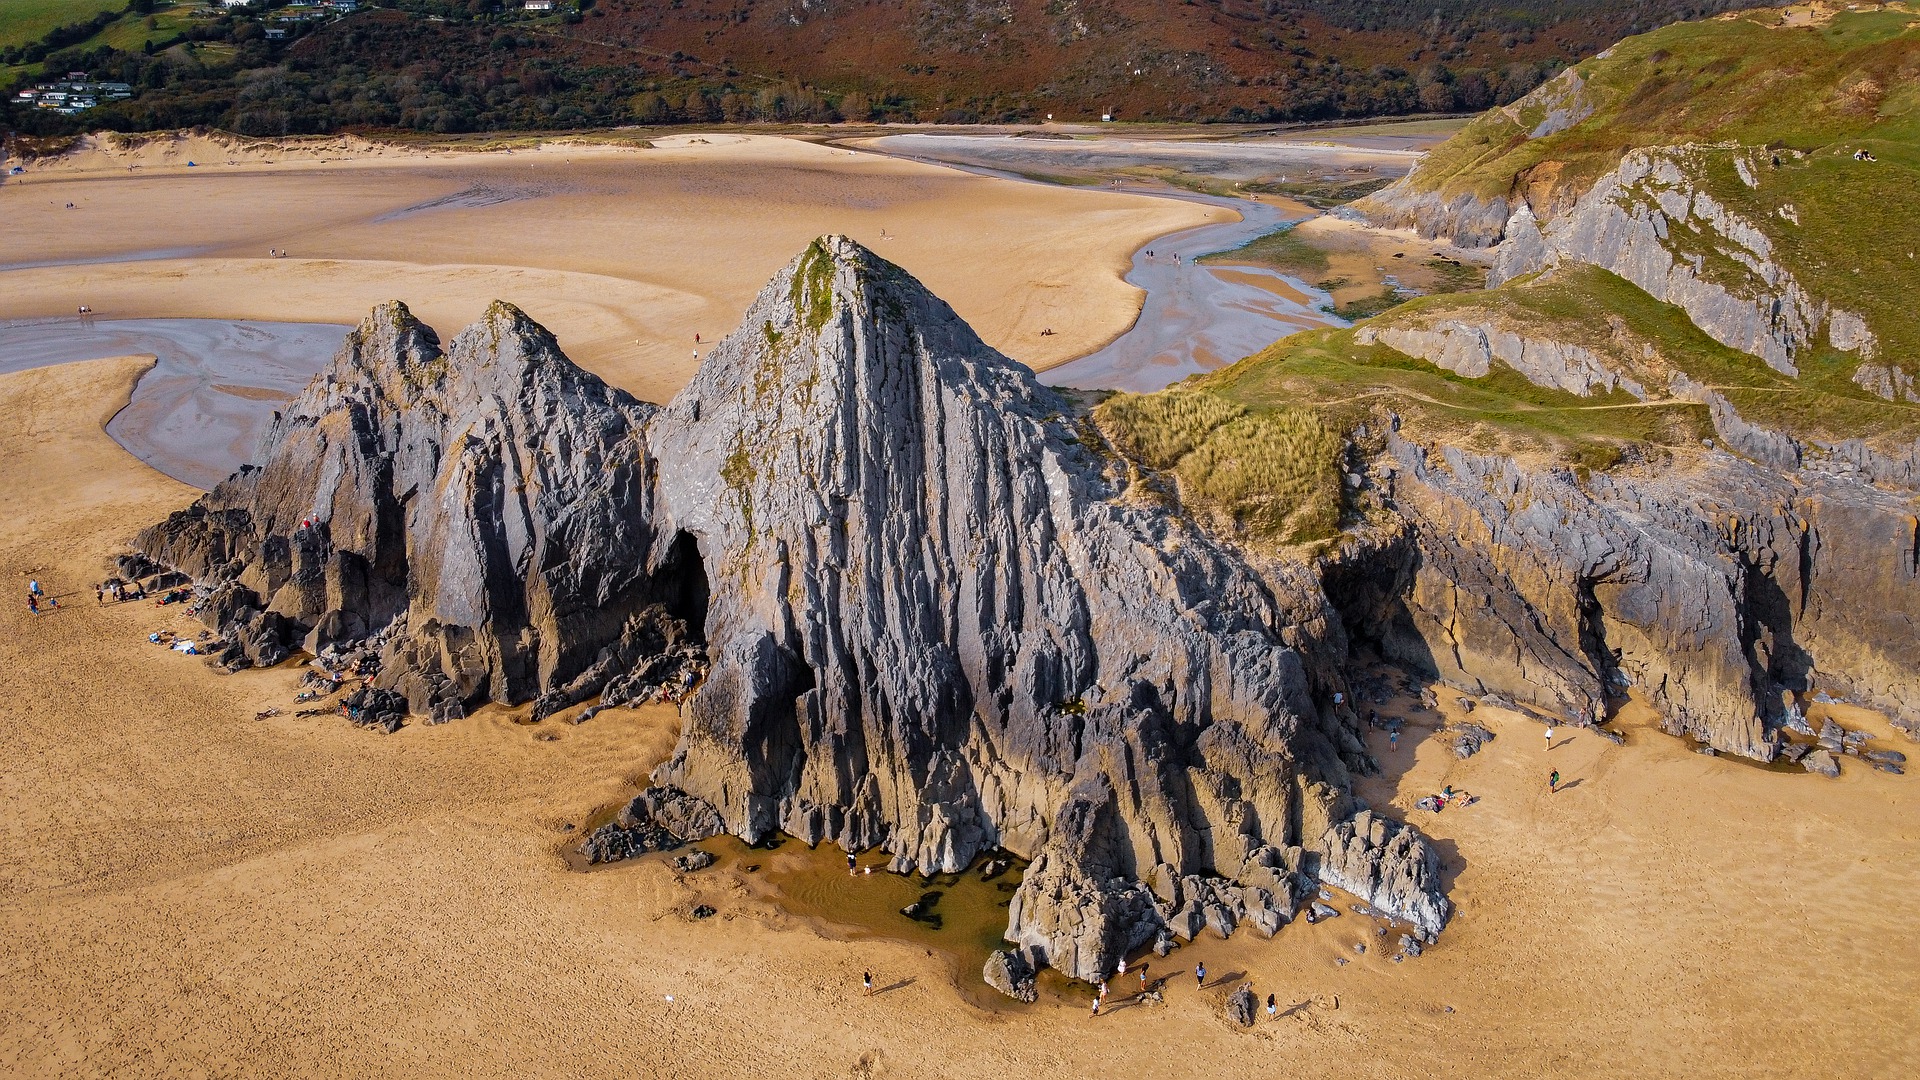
pixel 625 253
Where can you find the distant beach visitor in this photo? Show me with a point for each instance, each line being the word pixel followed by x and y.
pixel 1393 739
pixel 1200 974
pixel 1553 781
pixel 1273 1007
pixel 866 980
pixel 850 867
pixel 1549 736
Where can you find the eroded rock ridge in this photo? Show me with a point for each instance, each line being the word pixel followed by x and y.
pixel 936 619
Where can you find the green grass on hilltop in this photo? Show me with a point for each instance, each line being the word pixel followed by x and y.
pixel 1727 79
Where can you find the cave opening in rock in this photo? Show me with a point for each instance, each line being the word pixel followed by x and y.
pixel 681 584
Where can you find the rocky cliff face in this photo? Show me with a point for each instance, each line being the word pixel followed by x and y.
pixel 479 512
pixel 937 620
pixel 1651 222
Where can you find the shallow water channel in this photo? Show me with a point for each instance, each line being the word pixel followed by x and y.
pixel 200 413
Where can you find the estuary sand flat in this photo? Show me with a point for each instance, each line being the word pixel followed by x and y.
pixel 625 253
pixel 186 890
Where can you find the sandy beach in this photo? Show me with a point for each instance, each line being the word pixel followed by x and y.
pixel 187 890
pixel 625 253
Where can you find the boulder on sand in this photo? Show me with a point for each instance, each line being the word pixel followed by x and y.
pixel 1241 1006
pixel 1007 971
pixel 1822 763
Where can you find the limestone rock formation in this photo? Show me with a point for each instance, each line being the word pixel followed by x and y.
pixel 487 506
pixel 937 621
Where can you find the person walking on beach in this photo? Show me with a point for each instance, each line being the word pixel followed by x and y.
pixel 1549 736
pixel 1102 996
pixel 1200 974
pixel 866 980
pixel 1553 782
pixel 1096 1008
pixel 33 587
pixel 850 866
pixel 1123 966
pixel 1393 738
pixel 33 605
pixel 1273 1007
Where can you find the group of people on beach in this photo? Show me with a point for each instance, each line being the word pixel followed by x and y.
pixel 37 598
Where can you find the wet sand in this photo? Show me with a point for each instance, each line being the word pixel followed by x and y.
pixel 185 890
pixel 1198 318
pixel 199 414
pixel 624 253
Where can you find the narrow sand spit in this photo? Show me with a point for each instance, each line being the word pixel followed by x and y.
pixel 624 253
pixel 186 890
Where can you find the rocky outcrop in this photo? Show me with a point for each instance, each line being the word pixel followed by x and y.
pixel 1713 587
pixel 937 622
pixel 1008 972
pixel 1469 348
pixel 1651 222
pixel 488 505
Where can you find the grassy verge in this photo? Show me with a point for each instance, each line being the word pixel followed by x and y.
pixel 1283 251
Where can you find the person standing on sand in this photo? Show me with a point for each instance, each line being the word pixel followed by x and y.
pixel 850 866
pixel 1393 738
pixel 1549 737
pixel 1123 965
pixel 1553 782
pixel 1096 1007
pixel 1200 975
pixel 1273 1007
pixel 33 587
pixel 866 980
pixel 33 605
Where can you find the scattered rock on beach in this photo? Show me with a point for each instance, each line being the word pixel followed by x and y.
pixel 1821 762
pixel 697 859
pixel 702 911
pixel 1241 1007
pixel 1008 972
pixel 1471 738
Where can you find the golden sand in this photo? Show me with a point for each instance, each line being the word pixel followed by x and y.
pixel 186 890
pixel 624 253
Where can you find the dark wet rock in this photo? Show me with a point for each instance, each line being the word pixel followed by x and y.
pixel 684 816
pixel 1009 972
pixel 702 911
pixel 370 707
pixel 1822 763
pixel 1890 767
pixel 614 842
pixel 1241 1007
pixel 1887 757
pixel 1611 736
pixel 697 859
pixel 1470 739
